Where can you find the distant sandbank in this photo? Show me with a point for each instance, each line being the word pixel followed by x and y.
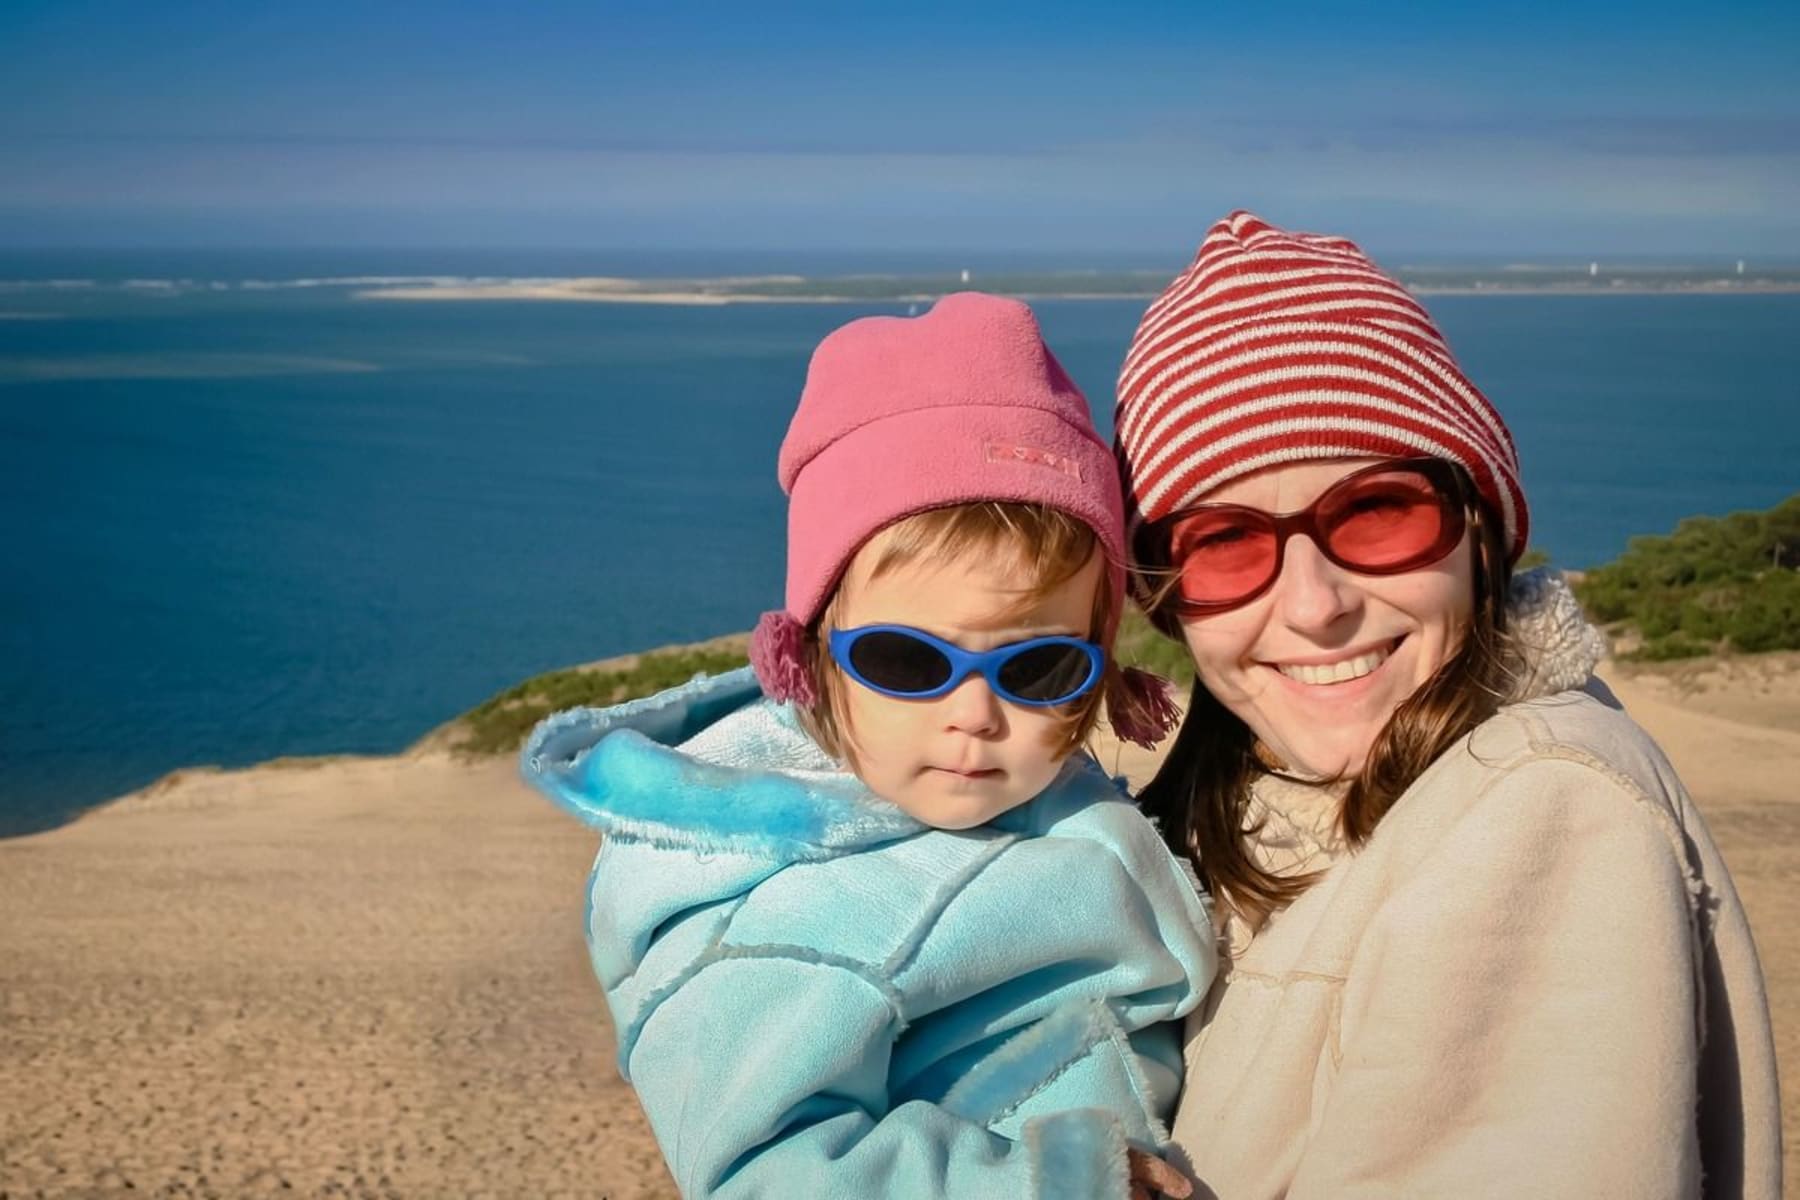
pixel 919 288
pixel 904 291
pixel 614 291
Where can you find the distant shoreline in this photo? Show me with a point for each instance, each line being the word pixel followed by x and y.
pixel 56 296
pixel 618 291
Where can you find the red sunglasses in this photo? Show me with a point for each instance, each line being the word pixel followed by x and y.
pixel 1385 519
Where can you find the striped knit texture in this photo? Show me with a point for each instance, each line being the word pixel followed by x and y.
pixel 1277 347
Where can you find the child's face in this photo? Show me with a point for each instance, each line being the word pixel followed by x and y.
pixel 967 756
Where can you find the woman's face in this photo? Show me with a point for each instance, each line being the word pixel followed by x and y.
pixel 1316 665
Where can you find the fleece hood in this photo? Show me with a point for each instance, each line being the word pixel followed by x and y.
pixel 656 771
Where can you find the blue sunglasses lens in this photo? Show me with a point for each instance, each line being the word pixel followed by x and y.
pixel 1044 673
pixel 899 663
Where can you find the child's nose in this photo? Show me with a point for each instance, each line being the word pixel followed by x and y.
pixel 973 708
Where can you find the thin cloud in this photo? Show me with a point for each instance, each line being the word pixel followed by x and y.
pixel 934 145
pixel 1659 136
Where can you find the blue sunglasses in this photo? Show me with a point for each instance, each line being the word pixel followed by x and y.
pixel 910 664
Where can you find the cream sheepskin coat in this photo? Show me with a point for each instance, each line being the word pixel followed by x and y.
pixel 1534 979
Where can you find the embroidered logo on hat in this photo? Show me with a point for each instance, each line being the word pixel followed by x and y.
pixel 1033 456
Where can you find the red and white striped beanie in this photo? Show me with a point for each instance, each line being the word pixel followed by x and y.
pixel 1278 347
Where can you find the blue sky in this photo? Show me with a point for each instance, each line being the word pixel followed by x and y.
pixel 1496 129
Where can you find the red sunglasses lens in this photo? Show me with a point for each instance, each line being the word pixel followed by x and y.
pixel 1224 553
pixel 1383 521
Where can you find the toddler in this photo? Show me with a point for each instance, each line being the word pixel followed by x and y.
pixel 877 927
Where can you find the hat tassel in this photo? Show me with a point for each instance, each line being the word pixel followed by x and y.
pixel 1141 707
pixel 778 654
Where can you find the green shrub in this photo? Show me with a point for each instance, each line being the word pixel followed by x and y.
pixel 1713 583
pixel 1676 645
pixel 499 725
pixel 1767 617
pixel 1140 645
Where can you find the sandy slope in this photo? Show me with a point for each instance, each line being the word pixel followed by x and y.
pixel 362 978
pixel 366 976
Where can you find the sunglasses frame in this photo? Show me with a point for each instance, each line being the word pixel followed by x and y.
pixel 964 663
pixel 1155 540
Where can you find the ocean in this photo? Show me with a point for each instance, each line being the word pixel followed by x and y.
pixel 251 521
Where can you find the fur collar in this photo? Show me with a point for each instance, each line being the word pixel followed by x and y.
pixel 1557 649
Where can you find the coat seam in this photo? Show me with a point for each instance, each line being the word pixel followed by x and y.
pixel 941 898
pixel 770 951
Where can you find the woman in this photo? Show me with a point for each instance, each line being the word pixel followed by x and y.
pixel 1480 938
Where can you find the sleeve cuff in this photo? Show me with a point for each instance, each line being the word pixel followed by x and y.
pixel 1077 1155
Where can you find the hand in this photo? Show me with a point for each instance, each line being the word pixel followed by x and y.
pixel 1151 1177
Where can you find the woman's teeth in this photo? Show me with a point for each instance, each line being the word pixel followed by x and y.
pixel 1338 672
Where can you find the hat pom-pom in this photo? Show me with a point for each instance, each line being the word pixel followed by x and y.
pixel 778 654
pixel 1141 707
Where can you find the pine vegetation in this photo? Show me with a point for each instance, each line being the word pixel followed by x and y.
pixel 1716 584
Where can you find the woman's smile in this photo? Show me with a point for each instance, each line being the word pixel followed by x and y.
pixel 1331 670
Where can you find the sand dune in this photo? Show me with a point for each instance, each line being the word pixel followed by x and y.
pixel 365 976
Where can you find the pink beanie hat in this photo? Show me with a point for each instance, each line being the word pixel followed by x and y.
pixel 904 414
pixel 1277 347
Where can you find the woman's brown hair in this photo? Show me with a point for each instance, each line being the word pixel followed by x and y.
pixel 1201 794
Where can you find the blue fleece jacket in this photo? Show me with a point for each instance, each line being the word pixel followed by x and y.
pixel 815 995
